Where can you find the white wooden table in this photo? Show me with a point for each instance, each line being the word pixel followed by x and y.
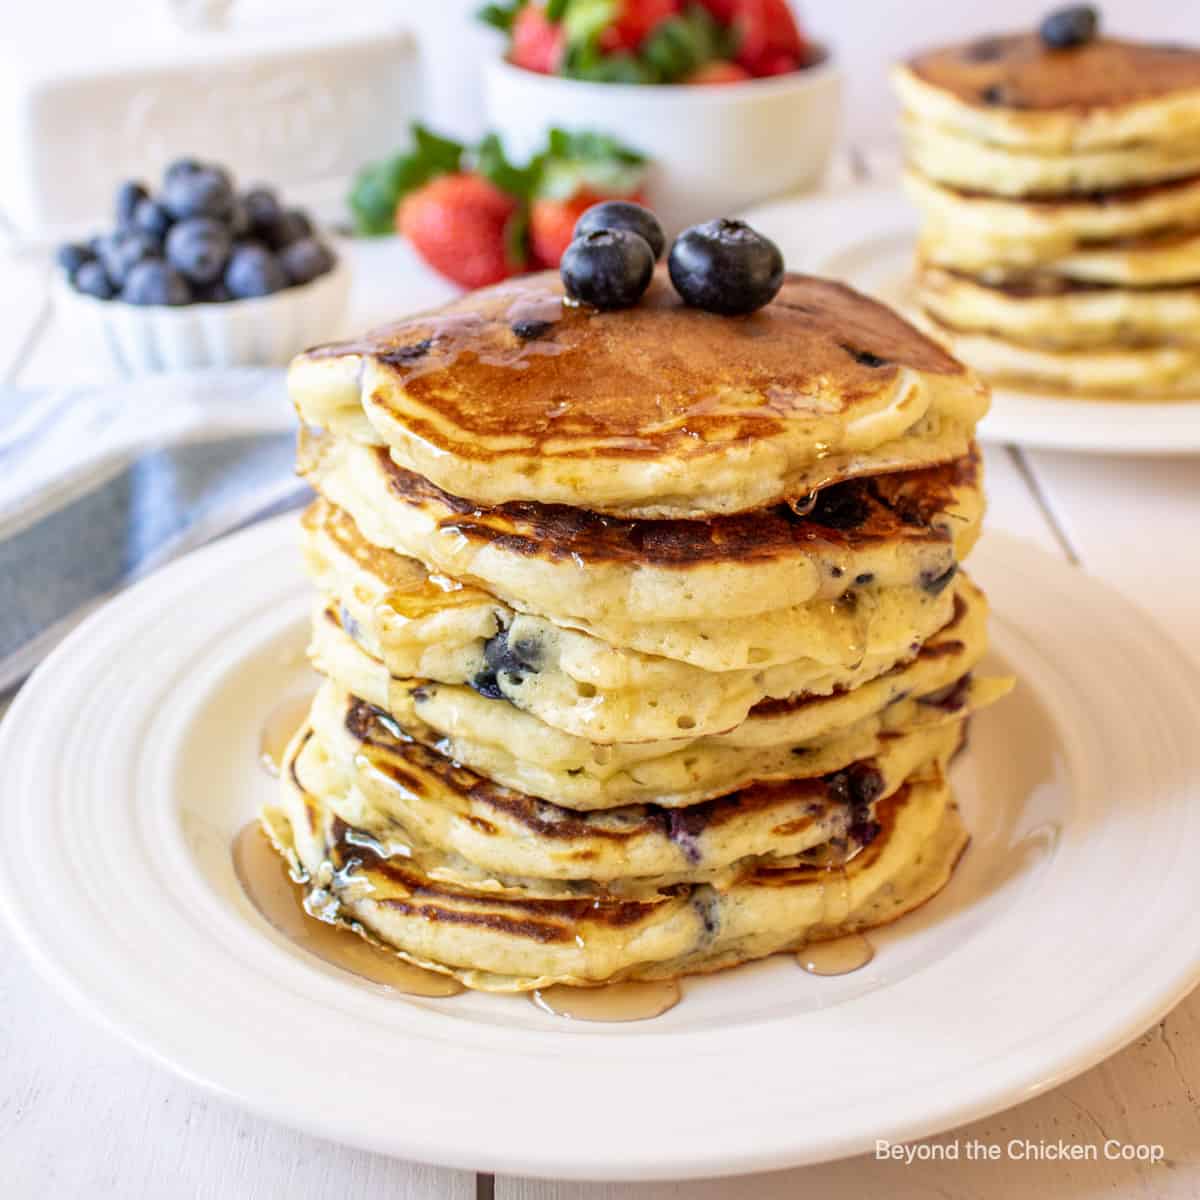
pixel 82 1115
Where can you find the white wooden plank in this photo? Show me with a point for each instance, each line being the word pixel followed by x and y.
pixel 83 1115
pixel 1134 523
pixel 1012 505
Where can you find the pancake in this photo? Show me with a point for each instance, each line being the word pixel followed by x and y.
pixel 1064 316
pixel 579 568
pixel 659 410
pixel 512 937
pixel 1015 91
pixel 1165 260
pixel 478 831
pixel 416 627
pixel 1148 373
pixel 778 739
pixel 972 231
pixel 953 158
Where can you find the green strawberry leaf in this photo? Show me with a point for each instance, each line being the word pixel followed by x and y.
pixel 584 20
pixel 684 43
pixel 490 161
pixel 500 16
pixel 574 160
pixel 379 187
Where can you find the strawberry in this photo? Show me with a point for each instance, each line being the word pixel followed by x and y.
pixel 722 10
pixel 767 33
pixel 718 71
pixel 552 222
pixel 538 44
pixel 462 226
pixel 634 21
pixel 576 171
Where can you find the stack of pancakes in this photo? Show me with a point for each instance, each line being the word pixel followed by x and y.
pixel 1060 197
pixel 644 640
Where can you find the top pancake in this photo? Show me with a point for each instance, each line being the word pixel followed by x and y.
pixel 1015 90
pixel 654 411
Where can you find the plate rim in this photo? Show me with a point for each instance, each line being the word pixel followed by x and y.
pixel 696 1162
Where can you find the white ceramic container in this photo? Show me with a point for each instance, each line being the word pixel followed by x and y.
pixel 259 332
pixel 715 149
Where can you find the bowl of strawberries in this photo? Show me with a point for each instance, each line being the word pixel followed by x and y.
pixel 729 101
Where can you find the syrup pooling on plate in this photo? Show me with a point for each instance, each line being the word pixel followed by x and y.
pixel 630 1001
pixel 279 728
pixel 837 957
pixel 264 877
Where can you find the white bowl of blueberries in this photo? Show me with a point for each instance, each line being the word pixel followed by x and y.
pixel 201 275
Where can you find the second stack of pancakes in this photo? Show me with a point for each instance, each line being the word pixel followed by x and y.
pixel 645 640
pixel 1060 197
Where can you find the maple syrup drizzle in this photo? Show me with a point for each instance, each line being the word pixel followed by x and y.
pixel 264 877
pixel 840 956
pixel 631 1001
pixel 279 728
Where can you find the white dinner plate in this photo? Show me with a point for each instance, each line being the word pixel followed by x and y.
pixel 867 238
pixel 129 761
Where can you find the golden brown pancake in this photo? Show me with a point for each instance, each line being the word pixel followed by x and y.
pixel 656 410
pixel 1020 71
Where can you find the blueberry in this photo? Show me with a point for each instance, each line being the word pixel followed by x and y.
pixel 150 217
pixel 622 214
pixel 262 208
pixel 154 282
pixel 72 256
pixel 610 268
pixel 725 267
pixel 1067 27
pixel 129 195
pixel 214 293
pixel 239 218
pixel 91 280
pixel 201 192
pixel 181 166
pixel 254 271
pixel 199 248
pixel 288 227
pixel 120 252
pixel 306 259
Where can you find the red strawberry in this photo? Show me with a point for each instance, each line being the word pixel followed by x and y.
pixel 459 224
pixel 722 10
pixel 766 31
pixel 634 21
pixel 720 70
pixel 551 222
pixel 537 43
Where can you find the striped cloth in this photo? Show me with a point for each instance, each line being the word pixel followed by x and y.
pixel 100 485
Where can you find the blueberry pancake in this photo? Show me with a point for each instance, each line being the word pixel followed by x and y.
pixel 779 738
pixel 515 935
pixel 416 625
pixel 477 830
pixel 896 530
pixel 659 410
pixel 1057 174
pixel 1022 92
pixel 644 637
